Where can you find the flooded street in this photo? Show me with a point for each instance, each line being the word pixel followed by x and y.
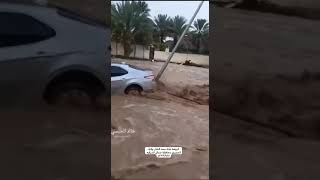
pixel 267 154
pixel 169 117
pixel 52 143
pixel 175 74
pixel 159 123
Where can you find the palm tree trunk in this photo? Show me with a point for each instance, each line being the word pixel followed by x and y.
pixel 135 49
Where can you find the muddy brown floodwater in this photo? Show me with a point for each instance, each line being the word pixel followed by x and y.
pixel 159 123
pixel 52 143
pixel 187 82
pixel 175 74
pixel 177 114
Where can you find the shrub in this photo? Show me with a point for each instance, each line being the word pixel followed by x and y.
pixel 162 47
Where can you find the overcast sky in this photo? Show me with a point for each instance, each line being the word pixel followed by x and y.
pixel 182 8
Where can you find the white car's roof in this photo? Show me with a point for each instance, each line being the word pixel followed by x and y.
pixel 15 7
pixel 70 28
pixel 119 64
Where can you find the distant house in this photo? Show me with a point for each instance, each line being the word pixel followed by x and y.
pixel 169 43
pixel 185 46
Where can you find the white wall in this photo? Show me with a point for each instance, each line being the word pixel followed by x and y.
pixel 139 51
pixel 161 55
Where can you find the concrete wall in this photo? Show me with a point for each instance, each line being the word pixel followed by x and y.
pixel 161 55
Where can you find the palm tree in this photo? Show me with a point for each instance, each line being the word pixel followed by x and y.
pixel 145 36
pixel 162 24
pixel 178 24
pixel 129 18
pixel 115 33
pixel 200 31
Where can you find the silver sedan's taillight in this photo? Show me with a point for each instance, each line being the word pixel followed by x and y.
pixel 149 77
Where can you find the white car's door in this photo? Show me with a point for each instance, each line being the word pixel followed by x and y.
pixel 118 79
pixel 23 51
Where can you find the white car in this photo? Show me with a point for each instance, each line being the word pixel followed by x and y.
pixel 50 54
pixel 129 79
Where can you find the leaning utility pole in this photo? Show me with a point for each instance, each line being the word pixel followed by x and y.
pixel 176 46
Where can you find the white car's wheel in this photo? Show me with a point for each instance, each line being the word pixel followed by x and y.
pixel 134 90
pixel 74 94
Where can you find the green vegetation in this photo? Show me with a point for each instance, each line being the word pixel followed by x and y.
pixel 178 24
pixel 131 24
pixel 162 26
pixel 200 32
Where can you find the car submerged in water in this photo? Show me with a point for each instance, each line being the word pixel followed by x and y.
pixel 129 79
pixel 51 54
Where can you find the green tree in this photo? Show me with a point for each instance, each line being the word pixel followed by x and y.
pixel 162 26
pixel 128 19
pixel 177 26
pixel 200 31
pixel 144 35
pixel 115 33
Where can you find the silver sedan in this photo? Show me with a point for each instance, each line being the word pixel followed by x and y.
pixel 129 79
pixel 50 54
